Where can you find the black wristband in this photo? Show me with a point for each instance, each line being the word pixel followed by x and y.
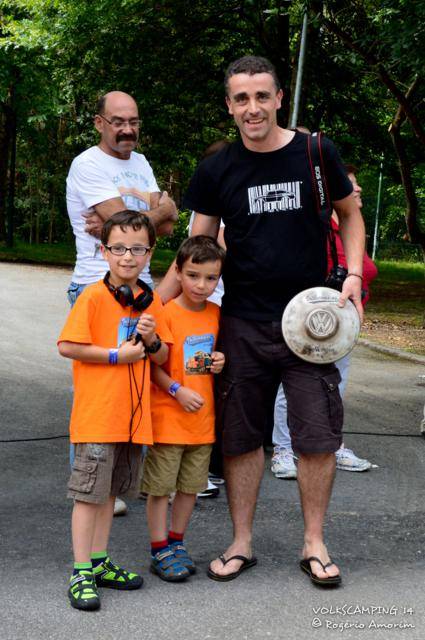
pixel 155 346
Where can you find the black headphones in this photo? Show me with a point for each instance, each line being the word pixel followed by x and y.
pixel 125 297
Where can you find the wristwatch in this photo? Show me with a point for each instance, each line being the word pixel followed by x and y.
pixel 173 388
pixel 155 346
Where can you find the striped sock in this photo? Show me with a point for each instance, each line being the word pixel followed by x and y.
pixel 81 566
pixel 98 557
pixel 175 537
pixel 158 545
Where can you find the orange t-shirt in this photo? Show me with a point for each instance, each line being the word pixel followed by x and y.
pixel 104 398
pixel 194 335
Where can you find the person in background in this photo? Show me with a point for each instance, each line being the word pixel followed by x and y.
pixel 283 458
pixel 104 179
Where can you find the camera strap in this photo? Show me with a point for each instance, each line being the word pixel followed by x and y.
pixel 320 189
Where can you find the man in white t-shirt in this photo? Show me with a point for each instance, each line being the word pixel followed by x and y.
pixel 108 178
pixel 105 179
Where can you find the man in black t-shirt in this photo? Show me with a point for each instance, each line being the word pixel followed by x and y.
pixel 261 188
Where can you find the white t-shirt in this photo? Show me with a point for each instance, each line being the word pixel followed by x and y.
pixel 94 177
pixel 218 292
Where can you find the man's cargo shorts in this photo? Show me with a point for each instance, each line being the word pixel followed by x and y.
pixel 257 360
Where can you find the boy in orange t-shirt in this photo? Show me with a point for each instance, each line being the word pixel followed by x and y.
pixel 112 340
pixel 183 407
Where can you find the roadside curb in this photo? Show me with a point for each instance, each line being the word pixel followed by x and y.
pixel 392 351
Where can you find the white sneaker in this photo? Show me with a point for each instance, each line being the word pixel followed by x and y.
pixel 283 465
pixel 346 460
pixel 120 508
pixel 210 492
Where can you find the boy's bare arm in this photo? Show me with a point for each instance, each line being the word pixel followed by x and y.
pixel 146 326
pixel 190 400
pixel 127 353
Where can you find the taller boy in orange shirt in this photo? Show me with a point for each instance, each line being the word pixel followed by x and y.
pixel 110 418
pixel 183 407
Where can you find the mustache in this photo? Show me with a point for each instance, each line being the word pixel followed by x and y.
pixel 126 136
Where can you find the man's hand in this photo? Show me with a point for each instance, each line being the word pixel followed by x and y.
pixel 94 224
pixel 146 326
pixel 168 207
pixel 129 352
pixel 352 289
pixel 217 362
pixel 189 400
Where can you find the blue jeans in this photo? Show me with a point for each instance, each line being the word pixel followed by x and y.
pixel 73 292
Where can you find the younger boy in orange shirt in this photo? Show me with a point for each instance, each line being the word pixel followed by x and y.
pixel 183 408
pixel 110 418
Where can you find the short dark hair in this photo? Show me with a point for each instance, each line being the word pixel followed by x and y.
pixel 350 168
pixel 100 105
pixel 128 218
pixel 200 249
pixel 250 65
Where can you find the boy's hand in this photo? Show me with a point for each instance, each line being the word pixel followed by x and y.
pixel 131 352
pixel 189 400
pixel 146 326
pixel 218 361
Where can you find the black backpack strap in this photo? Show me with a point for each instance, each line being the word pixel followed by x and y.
pixel 320 189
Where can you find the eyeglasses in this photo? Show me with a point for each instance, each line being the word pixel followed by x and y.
pixel 117 123
pixel 120 250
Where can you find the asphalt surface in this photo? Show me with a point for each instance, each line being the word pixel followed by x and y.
pixel 375 528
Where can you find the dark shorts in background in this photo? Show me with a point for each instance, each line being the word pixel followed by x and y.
pixel 257 360
pixel 105 469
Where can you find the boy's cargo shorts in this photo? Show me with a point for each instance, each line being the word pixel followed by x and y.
pixel 257 360
pixel 105 469
pixel 176 467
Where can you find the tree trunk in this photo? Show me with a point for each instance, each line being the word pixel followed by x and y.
pixel 412 205
pixel 6 127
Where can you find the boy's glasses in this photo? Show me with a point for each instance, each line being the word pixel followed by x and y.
pixel 120 250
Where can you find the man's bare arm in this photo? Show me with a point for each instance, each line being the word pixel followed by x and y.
pixel 163 214
pixel 169 287
pixel 353 238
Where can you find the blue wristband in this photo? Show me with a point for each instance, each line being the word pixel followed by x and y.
pixel 113 356
pixel 173 388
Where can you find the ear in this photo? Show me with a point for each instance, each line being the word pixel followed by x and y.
pixel 98 123
pixel 178 274
pixel 229 105
pixel 279 97
pixel 104 252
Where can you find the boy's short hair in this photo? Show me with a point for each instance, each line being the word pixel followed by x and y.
pixel 200 249
pixel 128 218
pixel 250 65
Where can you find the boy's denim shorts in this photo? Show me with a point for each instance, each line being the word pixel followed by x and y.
pixel 105 469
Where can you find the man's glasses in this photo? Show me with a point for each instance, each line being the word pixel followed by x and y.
pixel 120 250
pixel 117 123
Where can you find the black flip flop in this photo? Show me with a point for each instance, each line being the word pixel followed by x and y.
pixel 332 581
pixel 247 563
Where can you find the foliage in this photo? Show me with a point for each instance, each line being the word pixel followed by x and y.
pixel 60 55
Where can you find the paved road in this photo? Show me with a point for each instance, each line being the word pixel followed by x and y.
pixel 375 527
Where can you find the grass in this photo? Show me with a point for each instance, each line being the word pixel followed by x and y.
pixel 63 254
pixel 394 315
pixel 399 289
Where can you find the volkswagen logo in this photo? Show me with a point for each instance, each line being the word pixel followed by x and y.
pixel 321 324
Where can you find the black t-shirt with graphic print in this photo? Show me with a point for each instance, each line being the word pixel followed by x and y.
pixel 276 243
